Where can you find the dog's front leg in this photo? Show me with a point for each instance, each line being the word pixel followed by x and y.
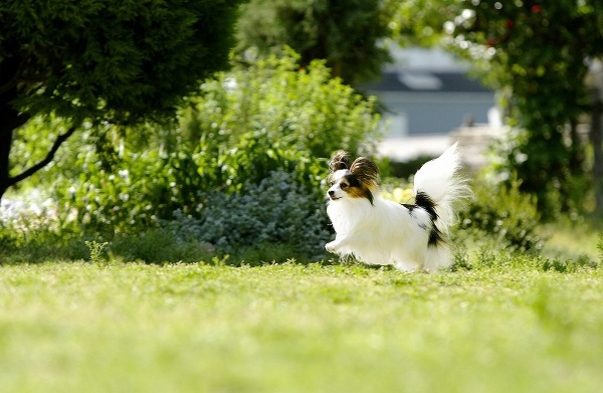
pixel 337 245
pixel 332 246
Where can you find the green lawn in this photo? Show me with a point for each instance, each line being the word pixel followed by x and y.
pixel 83 327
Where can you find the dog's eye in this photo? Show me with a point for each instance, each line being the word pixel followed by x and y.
pixel 343 186
pixel 331 183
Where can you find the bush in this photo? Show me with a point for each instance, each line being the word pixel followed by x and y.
pixel 502 215
pixel 279 211
pixel 557 190
pixel 143 188
pixel 29 231
pixel 302 108
pixel 245 165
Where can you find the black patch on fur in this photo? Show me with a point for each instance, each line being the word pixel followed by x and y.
pixel 352 180
pixel 424 201
pixel 435 236
pixel 409 207
pixel 369 196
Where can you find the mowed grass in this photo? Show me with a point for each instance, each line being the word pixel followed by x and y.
pixel 84 327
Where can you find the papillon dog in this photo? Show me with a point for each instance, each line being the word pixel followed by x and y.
pixel 412 237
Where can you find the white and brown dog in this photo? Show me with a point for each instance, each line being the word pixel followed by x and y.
pixel 412 237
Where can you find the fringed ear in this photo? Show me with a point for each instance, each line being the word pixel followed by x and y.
pixel 341 160
pixel 366 171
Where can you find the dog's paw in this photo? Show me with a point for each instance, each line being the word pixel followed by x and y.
pixel 331 247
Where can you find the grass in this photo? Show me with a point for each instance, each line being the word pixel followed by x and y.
pixel 115 327
pixel 570 240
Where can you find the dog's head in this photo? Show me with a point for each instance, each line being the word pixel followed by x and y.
pixel 357 179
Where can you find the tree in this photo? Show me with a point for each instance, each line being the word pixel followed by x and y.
pixel 345 33
pixel 421 22
pixel 537 54
pixel 122 62
pixel 539 51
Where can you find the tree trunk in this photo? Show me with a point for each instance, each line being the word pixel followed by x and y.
pixel 596 137
pixel 9 120
pixel 6 138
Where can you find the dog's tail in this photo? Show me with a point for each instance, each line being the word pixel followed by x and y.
pixel 440 186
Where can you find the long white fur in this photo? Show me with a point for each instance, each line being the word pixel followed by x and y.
pixel 386 232
pixel 440 180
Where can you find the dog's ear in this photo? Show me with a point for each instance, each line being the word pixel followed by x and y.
pixel 341 160
pixel 366 171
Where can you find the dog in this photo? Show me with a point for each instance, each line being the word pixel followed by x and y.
pixel 376 231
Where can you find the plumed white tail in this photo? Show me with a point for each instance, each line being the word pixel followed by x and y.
pixel 441 180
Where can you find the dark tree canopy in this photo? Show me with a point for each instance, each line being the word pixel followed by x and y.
pixel 113 60
pixel 345 33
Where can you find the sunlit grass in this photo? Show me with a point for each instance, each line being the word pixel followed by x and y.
pixel 73 327
pixel 571 241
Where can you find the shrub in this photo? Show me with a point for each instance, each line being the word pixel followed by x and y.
pixel 279 210
pixel 243 167
pixel 503 215
pixel 29 231
pixel 302 108
pixel 556 189
pixel 269 116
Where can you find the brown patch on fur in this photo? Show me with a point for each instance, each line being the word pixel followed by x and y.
pixel 367 172
pixel 358 192
pixel 354 188
pixel 341 160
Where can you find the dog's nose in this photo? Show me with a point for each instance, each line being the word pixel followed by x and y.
pixel 331 192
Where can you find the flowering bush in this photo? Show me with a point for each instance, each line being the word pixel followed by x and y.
pixel 278 210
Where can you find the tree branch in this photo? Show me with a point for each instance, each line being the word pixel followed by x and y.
pixel 17 121
pixel 28 172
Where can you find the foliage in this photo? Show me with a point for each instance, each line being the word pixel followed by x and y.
pixel 242 128
pixel 408 167
pixel 301 108
pixel 112 60
pixel 28 231
pixel 158 245
pixel 503 217
pixel 507 153
pixel 570 265
pixel 96 250
pixel 276 211
pixel 141 188
pixel 19 246
pixel 538 53
pixel 346 33
pixel 421 22
pixel 116 61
